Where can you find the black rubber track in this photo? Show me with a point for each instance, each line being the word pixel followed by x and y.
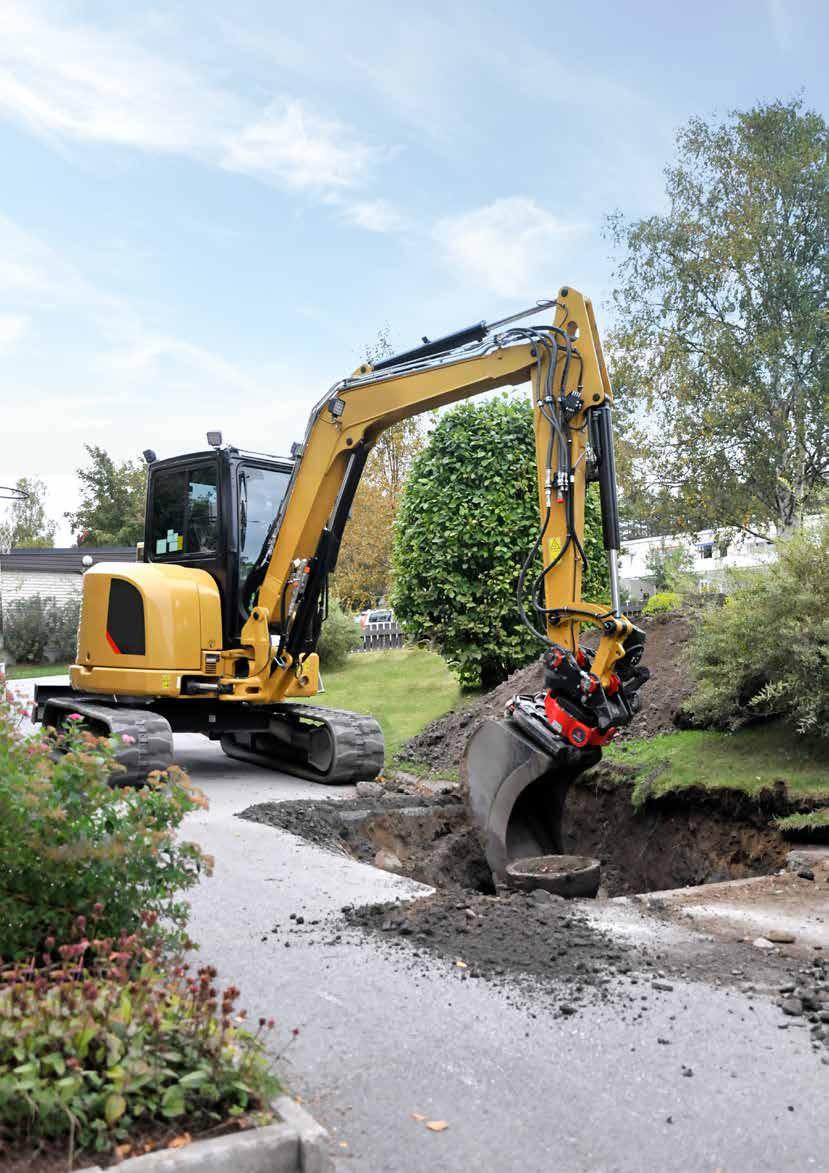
pixel 332 746
pixel 152 744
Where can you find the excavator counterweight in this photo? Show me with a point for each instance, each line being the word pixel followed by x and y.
pixel 215 630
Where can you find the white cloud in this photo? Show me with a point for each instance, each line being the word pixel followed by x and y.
pixel 82 83
pixel 78 83
pixel 127 384
pixel 12 329
pixel 292 146
pixel 374 215
pixel 510 246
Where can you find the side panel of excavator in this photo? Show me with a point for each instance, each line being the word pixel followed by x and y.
pixel 144 626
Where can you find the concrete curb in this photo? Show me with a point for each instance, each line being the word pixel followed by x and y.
pixel 297 1144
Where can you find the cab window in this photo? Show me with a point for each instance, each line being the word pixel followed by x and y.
pixel 260 495
pixel 185 512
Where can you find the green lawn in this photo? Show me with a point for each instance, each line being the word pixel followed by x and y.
pixel 747 760
pixel 24 671
pixel 404 690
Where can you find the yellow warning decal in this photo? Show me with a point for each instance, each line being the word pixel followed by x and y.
pixel 555 549
pixel 165 681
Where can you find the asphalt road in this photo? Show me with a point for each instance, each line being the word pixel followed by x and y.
pixel 520 1088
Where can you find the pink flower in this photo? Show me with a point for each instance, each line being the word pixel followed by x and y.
pixel 74 717
pixel 128 739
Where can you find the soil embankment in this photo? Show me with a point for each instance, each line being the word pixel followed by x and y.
pixel 441 744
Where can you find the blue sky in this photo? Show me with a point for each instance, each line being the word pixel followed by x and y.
pixel 207 210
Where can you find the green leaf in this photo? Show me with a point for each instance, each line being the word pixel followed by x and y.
pixel 173 1101
pixel 115 1107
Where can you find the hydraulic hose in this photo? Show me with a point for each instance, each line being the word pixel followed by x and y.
pixel 601 429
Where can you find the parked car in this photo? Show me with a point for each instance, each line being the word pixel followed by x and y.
pixel 372 618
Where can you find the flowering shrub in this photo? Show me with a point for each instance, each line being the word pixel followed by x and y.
pixel 103 1047
pixel 71 842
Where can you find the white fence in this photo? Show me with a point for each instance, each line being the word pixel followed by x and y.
pixel 378 637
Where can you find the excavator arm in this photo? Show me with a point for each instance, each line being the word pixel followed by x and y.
pixel 571 397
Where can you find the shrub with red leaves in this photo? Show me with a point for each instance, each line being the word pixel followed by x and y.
pixel 99 1041
pixel 71 840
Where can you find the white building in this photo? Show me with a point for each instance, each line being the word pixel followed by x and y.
pixel 52 573
pixel 710 556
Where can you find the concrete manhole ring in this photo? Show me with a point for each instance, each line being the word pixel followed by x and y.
pixel 564 875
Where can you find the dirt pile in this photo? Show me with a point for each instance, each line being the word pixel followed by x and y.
pixel 441 744
pixel 500 938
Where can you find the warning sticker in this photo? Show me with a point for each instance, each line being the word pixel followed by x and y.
pixel 555 549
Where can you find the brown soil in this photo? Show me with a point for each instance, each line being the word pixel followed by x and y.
pixel 431 838
pixel 687 837
pixel 693 836
pixel 441 744
pixel 42 1156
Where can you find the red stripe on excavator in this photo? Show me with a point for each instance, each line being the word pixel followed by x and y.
pixel 113 644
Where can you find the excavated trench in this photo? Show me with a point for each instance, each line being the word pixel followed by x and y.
pixel 693 836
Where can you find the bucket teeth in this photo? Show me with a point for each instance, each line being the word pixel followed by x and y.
pixel 516 790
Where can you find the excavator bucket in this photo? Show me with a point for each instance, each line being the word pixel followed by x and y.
pixel 516 791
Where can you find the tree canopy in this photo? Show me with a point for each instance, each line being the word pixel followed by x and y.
pixel 25 522
pixel 721 360
pixel 111 512
pixel 468 516
pixel 363 574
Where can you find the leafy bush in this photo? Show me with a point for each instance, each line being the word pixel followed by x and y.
pixel 468 516
pixel 36 629
pixel 662 601
pixel 339 636
pixel 672 568
pixel 69 840
pixel 102 1046
pixel 765 653
pixel 64 620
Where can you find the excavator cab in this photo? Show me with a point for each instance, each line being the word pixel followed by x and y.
pixel 215 511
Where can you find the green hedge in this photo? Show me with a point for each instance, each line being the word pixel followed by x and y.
pixel 467 519
pixel 765 653
pixel 35 629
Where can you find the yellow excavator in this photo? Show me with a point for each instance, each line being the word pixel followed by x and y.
pixel 215 630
